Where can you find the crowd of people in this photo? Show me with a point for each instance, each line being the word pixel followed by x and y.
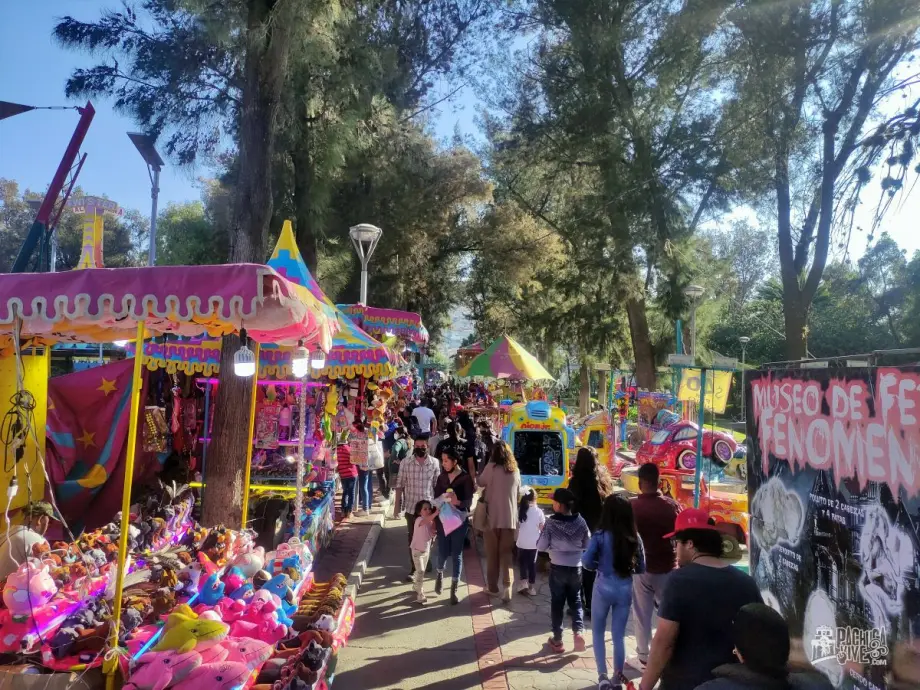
pixel 610 556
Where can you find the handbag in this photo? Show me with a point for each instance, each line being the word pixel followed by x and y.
pixel 481 514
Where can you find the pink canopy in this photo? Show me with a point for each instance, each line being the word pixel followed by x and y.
pixel 105 304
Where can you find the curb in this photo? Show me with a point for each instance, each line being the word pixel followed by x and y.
pixel 364 556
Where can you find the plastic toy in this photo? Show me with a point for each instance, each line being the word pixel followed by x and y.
pixel 28 588
pixel 161 669
pixel 674 447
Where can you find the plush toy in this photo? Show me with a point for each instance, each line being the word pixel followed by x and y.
pixel 250 562
pixel 242 593
pixel 234 579
pixel 267 631
pixel 280 586
pixel 222 676
pixel 211 591
pixel 28 588
pixel 189 578
pixel 161 669
pixel 243 650
pixel 260 579
pixel 230 610
pixel 184 634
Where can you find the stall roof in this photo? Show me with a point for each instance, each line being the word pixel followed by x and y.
pixel 406 325
pixel 105 304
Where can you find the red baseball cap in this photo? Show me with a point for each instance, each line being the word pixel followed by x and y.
pixel 691 518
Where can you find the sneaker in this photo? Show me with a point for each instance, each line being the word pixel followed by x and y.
pixel 604 684
pixel 623 680
pixel 532 591
pixel 525 590
pixel 357 512
pixel 493 593
pixel 506 595
pixel 579 642
pixel 556 646
pixel 421 599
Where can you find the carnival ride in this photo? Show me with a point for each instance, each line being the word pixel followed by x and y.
pixel 542 443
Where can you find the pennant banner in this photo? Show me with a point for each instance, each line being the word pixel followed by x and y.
pixel 8 109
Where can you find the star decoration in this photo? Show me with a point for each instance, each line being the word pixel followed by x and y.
pixel 107 386
pixel 88 439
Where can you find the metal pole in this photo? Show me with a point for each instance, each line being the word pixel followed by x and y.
pixel 130 453
pixel 693 330
pixel 743 406
pixel 252 427
pixel 363 298
pixel 205 431
pixel 154 195
pixel 701 421
pixel 301 444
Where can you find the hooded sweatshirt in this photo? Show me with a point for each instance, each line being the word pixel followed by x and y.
pixel 565 538
pixel 742 677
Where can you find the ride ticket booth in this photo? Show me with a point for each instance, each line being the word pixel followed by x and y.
pixel 542 443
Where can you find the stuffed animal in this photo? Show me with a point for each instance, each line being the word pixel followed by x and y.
pixel 243 593
pixel 189 578
pixel 184 634
pixel 280 586
pixel 250 562
pixel 260 579
pixel 243 650
pixel 222 676
pixel 211 591
pixel 28 588
pixel 234 579
pixel 161 669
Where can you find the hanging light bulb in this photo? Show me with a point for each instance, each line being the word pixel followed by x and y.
pixel 318 359
pixel 244 361
pixel 300 361
pixel 120 343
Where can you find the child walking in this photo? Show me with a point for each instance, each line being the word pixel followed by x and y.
pixel 616 553
pixel 422 536
pixel 565 537
pixel 348 474
pixel 530 523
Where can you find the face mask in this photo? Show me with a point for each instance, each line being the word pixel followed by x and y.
pixel 420 452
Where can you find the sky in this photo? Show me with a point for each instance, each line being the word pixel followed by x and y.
pixel 31 144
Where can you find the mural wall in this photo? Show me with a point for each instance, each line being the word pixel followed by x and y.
pixel 834 481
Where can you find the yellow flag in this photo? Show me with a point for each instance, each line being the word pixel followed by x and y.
pixel 718 383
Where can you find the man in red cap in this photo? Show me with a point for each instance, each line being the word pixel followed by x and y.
pixel 695 617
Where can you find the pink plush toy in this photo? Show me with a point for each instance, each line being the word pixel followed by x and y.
pixel 243 650
pixel 161 669
pixel 231 610
pixel 266 631
pixel 214 654
pixel 28 588
pixel 250 562
pixel 222 676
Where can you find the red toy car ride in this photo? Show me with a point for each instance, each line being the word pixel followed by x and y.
pixel 674 447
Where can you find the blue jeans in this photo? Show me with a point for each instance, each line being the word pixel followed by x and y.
pixel 613 594
pixel 364 488
pixel 565 587
pixel 451 546
pixel 348 494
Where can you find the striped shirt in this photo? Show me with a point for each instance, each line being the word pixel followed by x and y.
pixel 343 456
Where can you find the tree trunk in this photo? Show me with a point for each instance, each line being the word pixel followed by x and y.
pixel 303 208
pixel 641 344
pixel 602 388
pixel 584 392
pixel 795 313
pixel 266 51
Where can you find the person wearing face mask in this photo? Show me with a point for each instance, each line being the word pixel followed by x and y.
pixel 414 483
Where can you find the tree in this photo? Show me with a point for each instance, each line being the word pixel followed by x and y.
pixel 750 254
pixel 810 77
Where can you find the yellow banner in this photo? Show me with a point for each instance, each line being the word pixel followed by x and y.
pixel 718 383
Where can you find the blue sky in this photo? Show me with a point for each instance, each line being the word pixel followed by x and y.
pixel 31 144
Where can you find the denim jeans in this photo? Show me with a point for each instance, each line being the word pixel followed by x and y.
pixel 565 587
pixel 451 546
pixel 364 488
pixel 613 595
pixel 348 494
pixel 527 563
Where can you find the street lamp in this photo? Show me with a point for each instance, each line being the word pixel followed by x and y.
pixel 744 340
pixel 693 293
pixel 364 237
pixel 144 143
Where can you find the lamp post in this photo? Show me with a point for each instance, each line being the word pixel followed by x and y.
pixel 144 143
pixel 364 237
pixel 693 292
pixel 744 340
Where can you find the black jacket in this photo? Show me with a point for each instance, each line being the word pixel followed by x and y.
pixel 741 677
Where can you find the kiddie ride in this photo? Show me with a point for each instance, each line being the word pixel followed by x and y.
pixel 542 444
pixel 673 449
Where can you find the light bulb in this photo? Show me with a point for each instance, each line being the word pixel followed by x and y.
pixel 300 362
pixel 244 362
pixel 389 334
pixel 318 359
pixel 120 343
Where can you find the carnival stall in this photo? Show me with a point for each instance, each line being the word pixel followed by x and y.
pixel 146 593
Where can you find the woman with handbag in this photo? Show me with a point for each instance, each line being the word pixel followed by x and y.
pixel 501 482
pixel 455 488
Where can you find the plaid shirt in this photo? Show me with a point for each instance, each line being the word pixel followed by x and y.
pixel 416 481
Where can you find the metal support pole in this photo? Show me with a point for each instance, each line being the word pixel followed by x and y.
pixel 301 446
pixel 205 430
pixel 154 195
pixel 743 406
pixel 130 453
pixel 363 298
pixel 693 330
pixel 252 427
pixel 701 421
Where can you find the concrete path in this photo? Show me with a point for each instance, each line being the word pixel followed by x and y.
pixel 398 645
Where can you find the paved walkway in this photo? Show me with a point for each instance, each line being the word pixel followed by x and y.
pixel 398 645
